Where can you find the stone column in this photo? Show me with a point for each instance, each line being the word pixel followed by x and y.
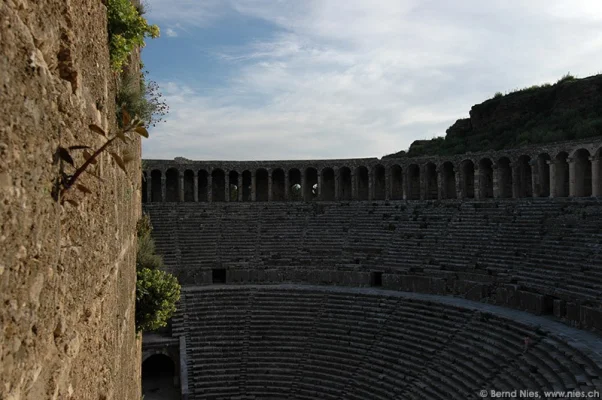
pixel 302 175
pixel 181 185
pixel 370 184
pixel 477 182
pixel 226 185
pixel 422 181
pixel 572 177
pixel 319 194
pixel 163 187
pixel 496 181
pixel 149 187
pixel 515 179
pixel 388 184
pixel 440 183
pixel 239 186
pixel 405 184
pixel 535 180
pixel 552 166
pixel 270 194
pixel 195 186
pixel 209 185
pixel 253 187
pixel 287 184
pixel 459 194
pixel 596 183
pixel 337 184
pixel 353 186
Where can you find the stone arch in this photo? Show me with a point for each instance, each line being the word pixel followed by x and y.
pixel 504 181
pixel 581 179
pixel 448 186
pixel 233 185
pixel 345 185
pixel 485 178
pixel 523 183
pixel 294 180
pixel 144 187
pixel 467 179
pixel 160 377
pixel 311 184
pixel 431 191
pixel 218 185
pixel 203 188
pixel 247 182
pixel 278 184
pixel 413 182
pixel 362 179
pixel 261 184
pixel 156 191
pixel 396 182
pixel 188 185
pixel 327 189
pixel 172 186
pixel 542 186
pixel 380 187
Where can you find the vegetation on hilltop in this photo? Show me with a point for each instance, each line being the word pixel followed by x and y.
pixel 570 109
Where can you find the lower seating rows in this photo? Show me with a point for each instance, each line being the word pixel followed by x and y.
pixel 272 342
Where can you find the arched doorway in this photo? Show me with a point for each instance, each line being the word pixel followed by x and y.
pixel 160 380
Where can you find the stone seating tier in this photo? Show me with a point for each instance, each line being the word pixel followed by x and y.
pixel 306 343
pixel 543 256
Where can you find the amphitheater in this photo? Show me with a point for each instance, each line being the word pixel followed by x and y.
pixel 392 278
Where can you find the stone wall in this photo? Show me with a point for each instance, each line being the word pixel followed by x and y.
pixel 543 256
pixel 67 273
pixel 567 169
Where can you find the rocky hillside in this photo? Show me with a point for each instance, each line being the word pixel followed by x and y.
pixel 570 109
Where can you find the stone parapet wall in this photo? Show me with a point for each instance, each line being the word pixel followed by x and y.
pixel 542 255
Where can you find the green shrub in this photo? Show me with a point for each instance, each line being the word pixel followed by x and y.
pixel 156 295
pixel 497 95
pixel 141 97
pixel 157 291
pixel 127 30
pixel 567 77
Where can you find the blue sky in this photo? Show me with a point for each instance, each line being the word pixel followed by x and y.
pixel 316 79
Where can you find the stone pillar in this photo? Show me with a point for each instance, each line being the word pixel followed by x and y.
pixel 302 185
pixel 535 180
pixel 422 182
pixel 405 184
pixel 388 184
pixel 226 185
pixel 370 184
pixel 440 183
pixel 477 182
pixel 496 181
pixel 319 194
pixel 353 186
pixel 209 185
pixel 253 187
pixel 552 167
pixel 459 194
pixel 287 184
pixel 337 184
pixel 572 177
pixel 596 183
pixel 270 194
pixel 181 185
pixel 239 186
pixel 163 187
pixel 195 186
pixel 149 187
pixel 515 179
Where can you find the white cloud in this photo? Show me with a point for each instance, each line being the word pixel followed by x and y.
pixel 351 79
pixel 171 33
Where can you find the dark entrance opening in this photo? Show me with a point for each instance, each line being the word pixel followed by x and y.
pixel 159 378
pixel 376 278
pixel 219 275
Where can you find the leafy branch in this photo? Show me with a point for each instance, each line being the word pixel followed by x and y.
pixel 68 181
